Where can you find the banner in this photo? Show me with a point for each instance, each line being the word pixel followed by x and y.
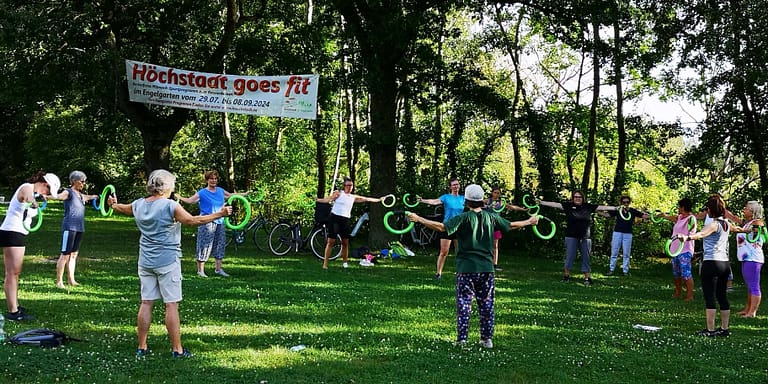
pixel 280 96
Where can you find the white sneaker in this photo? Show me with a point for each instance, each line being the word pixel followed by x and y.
pixel 365 263
pixel 345 265
pixel 202 274
pixel 486 343
pixel 221 273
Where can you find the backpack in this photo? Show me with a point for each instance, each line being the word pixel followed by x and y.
pixel 399 249
pixel 42 337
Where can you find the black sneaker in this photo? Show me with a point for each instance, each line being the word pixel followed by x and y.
pixel 706 332
pixel 438 276
pixel 722 332
pixel 143 352
pixel 588 281
pixel 566 279
pixel 610 273
pixel 20 315
pixel 184 353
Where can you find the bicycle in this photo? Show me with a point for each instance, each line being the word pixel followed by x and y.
pixel 260 226
pixel 287 235
pixel 423 236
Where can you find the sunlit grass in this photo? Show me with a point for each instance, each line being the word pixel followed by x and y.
pixel 392 323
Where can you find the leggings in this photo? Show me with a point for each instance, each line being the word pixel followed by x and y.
pixel 714 282
pixel 751 272
pixel 481 286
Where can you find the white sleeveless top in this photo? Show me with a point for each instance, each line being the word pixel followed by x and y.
pixel 15 214
pixel 342 206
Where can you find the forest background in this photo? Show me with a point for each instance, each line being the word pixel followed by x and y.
pixel 527 95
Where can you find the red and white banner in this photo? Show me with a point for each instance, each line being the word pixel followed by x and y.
pixel 281 96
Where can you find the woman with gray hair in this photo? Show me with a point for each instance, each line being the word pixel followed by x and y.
pixel 72 227
pixel 159 220
pixel 749 250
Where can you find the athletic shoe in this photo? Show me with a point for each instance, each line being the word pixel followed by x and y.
pixel 626 273
pixel 588 281
pixel 365 263
pixel 722 332
pixel 221 273
pixel 20 315
pixel 143 352
pixel 202 274
pixel 496 268
pixel 705 332
pixel 184 353
pixel 566 279
pixel 345 265
pixel 438 276
pixel 461 343
pixel 486 343
pixel 610 273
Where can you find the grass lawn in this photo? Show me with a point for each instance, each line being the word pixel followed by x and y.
pixel 391 323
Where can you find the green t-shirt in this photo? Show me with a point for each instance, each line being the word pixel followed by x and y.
pixel 474 233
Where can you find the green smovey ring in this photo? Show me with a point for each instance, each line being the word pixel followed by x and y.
pixel 247 217
pixel 259 195
pixel 552 226
pixel 501 206
pixel 103 200
pixel 525 203
pixel 39 219
pixel 759 233
pixel 407 204
pixel 691 223
pixel 307 201
pixel 621 213
pixel 388 205
pixel 654 219
pixel 397 231
pixel 668 248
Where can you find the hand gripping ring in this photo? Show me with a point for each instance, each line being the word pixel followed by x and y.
pixel 95 203
pixel 259 195
pixel 654 218
pixel 397 231
pixel 529 206
pixel 501 205
pixel 384 200
pixel 307 201
pixel 552 226
pixel 407 204
pixel 668 247
pixel 39 219
pixel 108 190
pixel 621 213
pixel 247 217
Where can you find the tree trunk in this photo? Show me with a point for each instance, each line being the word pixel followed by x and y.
pixel 590 158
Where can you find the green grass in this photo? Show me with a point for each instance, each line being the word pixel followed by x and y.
pixel 387 324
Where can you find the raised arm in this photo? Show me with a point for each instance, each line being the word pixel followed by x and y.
pixel 433 225
pixel 551 204
pixel 182 216
pixel 192 199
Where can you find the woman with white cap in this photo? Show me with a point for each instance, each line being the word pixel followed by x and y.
pixel 72 227
pixel 13 232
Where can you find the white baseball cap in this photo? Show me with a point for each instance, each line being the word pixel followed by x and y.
pixel 53 183
pixel 474 192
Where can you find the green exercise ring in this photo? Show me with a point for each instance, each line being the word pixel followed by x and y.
pixel 384 200
pixel 668 249
pixel 691 223
pixel 397 231
pixel 758 234
pixel 621 213
pixel 39 219
pixel 307 201
pixel 502 205
pixel 552 226
pixel 525 202
pixel 407 204
pixel 654 219
pixel 103 200
pixel 247 217
pixel 258 197
pixel 534 210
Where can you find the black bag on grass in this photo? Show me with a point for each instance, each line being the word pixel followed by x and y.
pixel 41 337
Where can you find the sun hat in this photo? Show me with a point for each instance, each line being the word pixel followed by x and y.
pixel 53 183
pixel 474 192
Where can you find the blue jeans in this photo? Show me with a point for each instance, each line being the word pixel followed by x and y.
pixel 572 245
pixel 623 241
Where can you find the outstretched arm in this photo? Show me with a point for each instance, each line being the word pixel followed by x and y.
pixel 533 220
pixel 430 201
pixel 606 208
pixel 433 225
pixel 330 198
pixel 364 199
pixel 182 216
pixel 551 204
pixel 192 199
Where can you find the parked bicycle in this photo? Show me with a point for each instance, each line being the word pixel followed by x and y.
pixel 259 227
pixel 287 234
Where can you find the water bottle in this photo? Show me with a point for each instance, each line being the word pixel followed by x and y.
pixel 2 326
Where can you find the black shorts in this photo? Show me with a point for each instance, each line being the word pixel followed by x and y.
pixel 70 242
pixel 339 225
pixel 12 239
pixel 445 235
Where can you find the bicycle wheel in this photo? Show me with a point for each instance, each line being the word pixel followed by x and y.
pixel 238 237
pixel 319 239
pixel 261 235
pixel 281 239
pixel 427 236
